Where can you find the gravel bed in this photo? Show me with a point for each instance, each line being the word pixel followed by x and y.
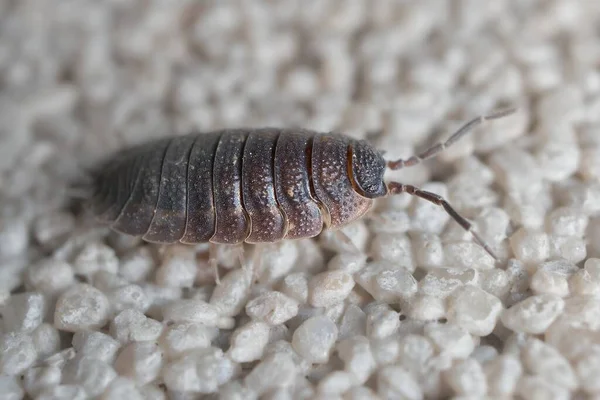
pixel 420 312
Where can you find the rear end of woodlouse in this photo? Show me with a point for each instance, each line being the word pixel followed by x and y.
pixel 250 185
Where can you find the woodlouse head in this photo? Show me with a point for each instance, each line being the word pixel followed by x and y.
pixel 367 170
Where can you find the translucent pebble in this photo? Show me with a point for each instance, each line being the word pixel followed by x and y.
pixel 428 250
pixel 132 326
pixel 415 353
pixel 14 237
pixel 128 296
pixel 182 338
pixel 385 351
pixel 81 307
pixel 450 340
pixel 11 388
pixel 272 307
pixel 353 322
pixel 97 345
pixel 296 286
pixel 529 246
pixel 534 314
pixel 247 343
pixel 467 378
pixel 442 282
pixel 189 310
pixel 563 268
pixel 391 222
pixel 347 262
pixel 202 371
pixel 336 383
pixel 107 281
pixel 567 221
pixel 140 361
pixel 63 392
pixel 484 354
pixel 539 388
pixel 231 295
pixel 550 283
pixel 581 283
pixel 314 339
pixel 502 374
pixel 276 370
pixel 235 390
pixel 495 282
pixel 50 276
pixel 91 374
pixel 96 257
pixel 587 369
pixel 396 382
pixel 123 388
pixel 382 321
pixel 474 310
pixel 329 288
pixel 570 248
pixel 277 260
pixel 357 357
pixel 541 359
pixel 395 248
pixel 468 255
pixel 52 227
pixel 37 379
pixel 386 281
pixel 23 312
pixel 558 159
pixel 425 308
pixel 178 267
pixel 592 266
pixel 137 265
pixel 46 339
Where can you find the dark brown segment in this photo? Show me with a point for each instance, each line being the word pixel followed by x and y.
pixel 232 224
pixel 200 224
pixel 331 180
pixel 292 184
pixel 139 209
pixel 266 219
pixel 168 224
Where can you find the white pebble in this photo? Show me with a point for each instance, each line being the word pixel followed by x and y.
pixel 17 353
pixel 329 288
pixel 503 374
pixel 91 374
pixel 276 370
pixel 141 361
pixel 428 250
pixel 529 246
pixel 567 221
pixel 395 248
pixel 396 382
pixel 451 340
pixel 96 257
pixel 97 345
pixel 63 392
pixel 182 338
pixel 415 353
pixel 550 283
pixel 122 388
pixel 386 282
pixel 231 295
pixel 37 379
pixel 539 388
pixel 429 217
pixel 569 248
pixel 296 286
pixel 442 282
pixel 50 276
pixel 137 265
pixel 14 237
pixel 277 260
pixel 132 326
pixel 81 307
pixel 128 296
pixel 336 383
pixel 474 310
pixel 189 310
pixel 382 321
pixel 581 283
pixel 541 359
pixel 588 368
pixel 357 357
pixel 272 307
pixel 46 339
pixel 495 282
pixel 248 342
pixel 178 267
pixel 23 312
pixel 467 378
pixel 425 308
pixel 202 371
pixel 534 314
pixel 353 322
pixel 385 351
pixel 10 388
pixel 347 262
pixel 52 227
pixel 314 339
pixel 467 255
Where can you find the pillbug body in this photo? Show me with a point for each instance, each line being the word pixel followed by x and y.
pixel 253 186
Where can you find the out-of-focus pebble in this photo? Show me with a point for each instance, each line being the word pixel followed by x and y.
pixel 80 308
pixel 474 310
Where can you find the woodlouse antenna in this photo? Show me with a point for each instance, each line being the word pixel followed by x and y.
pixel 455 137
pixel 397 188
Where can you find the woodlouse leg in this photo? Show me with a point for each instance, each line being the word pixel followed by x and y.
pixel 213 261
pixel 396 188
pixel 455 137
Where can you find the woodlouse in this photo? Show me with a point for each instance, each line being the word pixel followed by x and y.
pixel 252 185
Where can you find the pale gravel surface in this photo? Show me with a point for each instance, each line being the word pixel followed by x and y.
pixel 421 313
